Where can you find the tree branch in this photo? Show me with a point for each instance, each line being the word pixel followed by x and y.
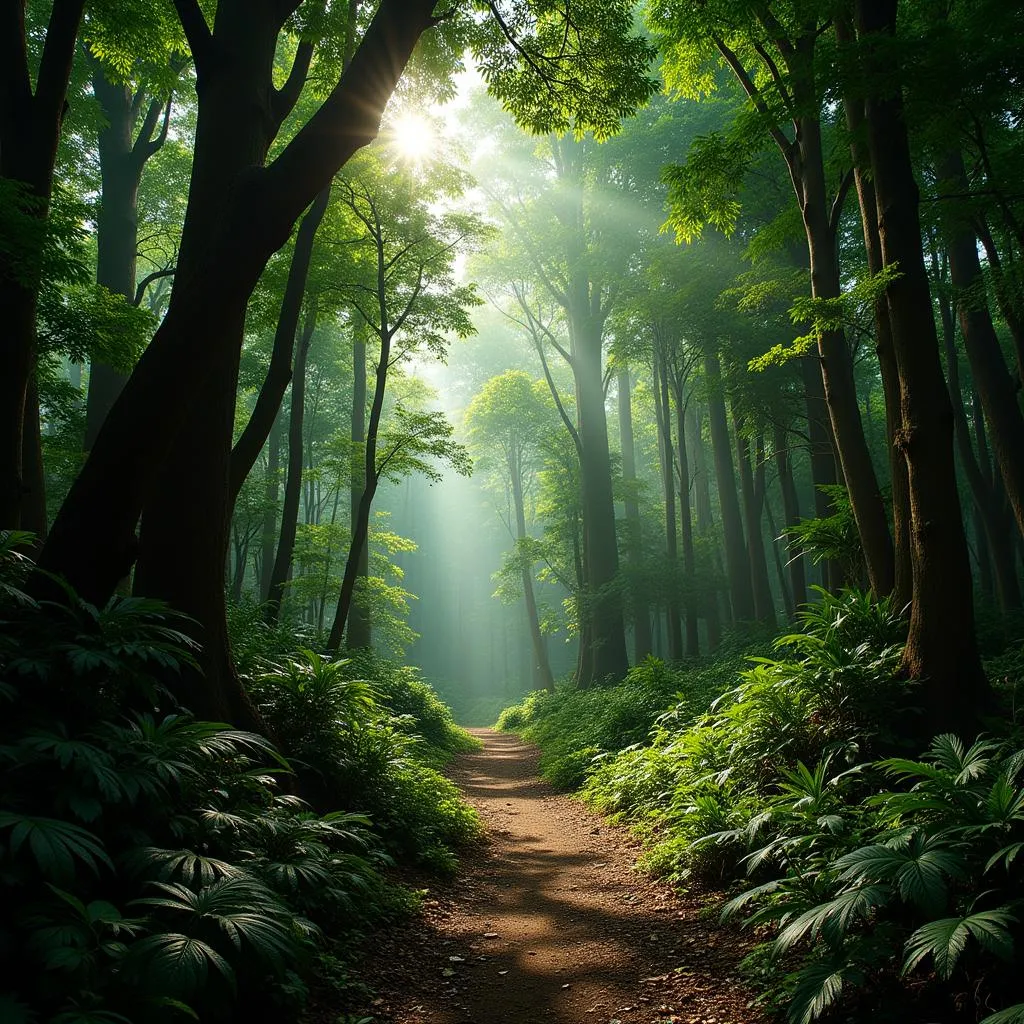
pixel 350 116
pixel 284 99
pixel 148 280
pixel 197 32
pixel 755 96
pixel 58 54
pixel 839 202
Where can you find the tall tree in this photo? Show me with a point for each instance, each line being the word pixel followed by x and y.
pixel 508 420
pixel 772 50
pixel 31 115
pixel 941 646
pixel 404 291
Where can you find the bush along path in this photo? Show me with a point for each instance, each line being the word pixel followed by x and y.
pixel 549 921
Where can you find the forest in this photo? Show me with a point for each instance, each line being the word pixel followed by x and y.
pixel 640 378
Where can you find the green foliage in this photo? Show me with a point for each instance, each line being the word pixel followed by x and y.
pixel 369 736
pixel 699 785
pixel 149 866
pixel 573 727
pixel 590 66
pixel 833 537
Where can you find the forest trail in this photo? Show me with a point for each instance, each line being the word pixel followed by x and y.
pixel 549 922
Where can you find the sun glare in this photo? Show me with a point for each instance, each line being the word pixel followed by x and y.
pixel 413 137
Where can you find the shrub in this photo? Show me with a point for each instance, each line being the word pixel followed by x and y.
pixel 150 868
pixel 372 746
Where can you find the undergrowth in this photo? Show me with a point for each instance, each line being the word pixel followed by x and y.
pixel 879 882
pixel 157 868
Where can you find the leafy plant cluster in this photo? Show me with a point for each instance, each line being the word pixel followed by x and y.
pixel 370 735
pixel 575 728
pixel 830 692
pixel 154 867
pixel 864 873
pixel 917 882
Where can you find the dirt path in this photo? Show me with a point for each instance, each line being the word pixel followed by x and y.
pixel 550 923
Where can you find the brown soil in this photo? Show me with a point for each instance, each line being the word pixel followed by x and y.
pixel 549 922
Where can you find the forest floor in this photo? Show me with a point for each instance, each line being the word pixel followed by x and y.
pixel 548 921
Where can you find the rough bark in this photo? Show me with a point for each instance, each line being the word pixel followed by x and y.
pixel 941 647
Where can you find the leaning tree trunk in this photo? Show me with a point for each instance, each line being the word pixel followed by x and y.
pixel 359 634
pixel 941 647
pixel 854 109
pixel 279 373
pixel 837 372
pixel 361 524
pixel 247 213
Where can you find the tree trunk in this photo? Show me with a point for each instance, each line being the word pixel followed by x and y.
pixel 854 109
pixel 988 366
pixel 753 506
pixel 634 538
pixel 359 633
pixel 736 561
pixel 791 512
pixel 822 455
pixel 361 524
pixel 837 371
pixel 268 404
pixel 293 477
pixel 702 494
pixel 271 495
pixel 239 214
pixel 30 127
pixel 33 507
pixel 601 545
pixel 686 521
pixel 941 644
pixel 541 665
pixel 672 618
pixel 122 160
pixel 998 536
